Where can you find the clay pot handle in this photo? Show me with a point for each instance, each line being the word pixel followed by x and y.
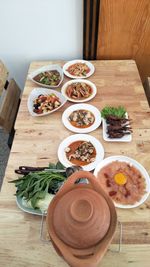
pixel 76 262
pixel 70 182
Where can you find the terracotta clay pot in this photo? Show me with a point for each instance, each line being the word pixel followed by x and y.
pixel 81 221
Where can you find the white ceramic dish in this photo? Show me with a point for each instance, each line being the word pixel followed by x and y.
pixel 47 68
pixel 38 91
pixel 92 85
pixel 125 138
pixel 92 109
pixel 77 137
pixel 68 64
pixel 138 166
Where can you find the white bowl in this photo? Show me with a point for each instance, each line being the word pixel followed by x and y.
pixel 47 68
pixel 38 91
pixel 92 85
pixel 77 137
pixel 68 64
pixel 138 166
pixel 75 107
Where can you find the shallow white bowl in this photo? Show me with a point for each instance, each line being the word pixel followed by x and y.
pixel 75 107
pixel 92 85
pixel 38 91
pixel 77 137
pixel 47 68
pixel 69 63
pixel 138 166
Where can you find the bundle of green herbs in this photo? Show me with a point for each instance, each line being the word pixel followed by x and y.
pixel 35 188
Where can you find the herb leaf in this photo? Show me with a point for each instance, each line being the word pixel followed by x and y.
pixel 112 111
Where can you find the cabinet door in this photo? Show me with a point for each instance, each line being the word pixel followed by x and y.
pixel 124 32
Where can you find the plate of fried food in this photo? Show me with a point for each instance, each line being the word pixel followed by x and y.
pixel 116 124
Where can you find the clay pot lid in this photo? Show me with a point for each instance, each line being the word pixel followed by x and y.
pixel 81 217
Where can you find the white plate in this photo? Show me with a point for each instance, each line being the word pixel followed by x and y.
pixel 38 91
pixel 92 109
pixel 47 68
pixel 68 64
pixel 125 138
pixel 76 137
pixel 92 85
pixel 138 166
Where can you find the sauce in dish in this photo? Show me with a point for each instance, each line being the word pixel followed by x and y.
pixel 80 153
pixel 122 182
pixel 81 118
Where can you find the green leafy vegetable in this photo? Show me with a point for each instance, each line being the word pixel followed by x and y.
pixel 112 111
pixel 36 185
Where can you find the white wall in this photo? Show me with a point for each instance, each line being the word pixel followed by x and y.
pixel 39 30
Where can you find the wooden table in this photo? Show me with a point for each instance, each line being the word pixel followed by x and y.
pixel 36 143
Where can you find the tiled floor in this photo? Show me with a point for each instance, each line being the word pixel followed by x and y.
pixel 4 154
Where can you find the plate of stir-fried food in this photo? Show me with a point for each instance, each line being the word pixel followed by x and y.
pixel 43 101
pixel 78 69
pixel 50 76
pixel 78 90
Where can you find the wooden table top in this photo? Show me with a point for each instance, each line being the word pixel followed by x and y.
pixel 36 143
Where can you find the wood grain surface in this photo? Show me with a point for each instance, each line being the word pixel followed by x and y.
pixel 36 143
pixel 124 32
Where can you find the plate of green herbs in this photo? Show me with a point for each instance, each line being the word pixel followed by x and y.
pixel 35 190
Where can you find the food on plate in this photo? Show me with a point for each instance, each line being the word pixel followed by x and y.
pixel 79 90
pixel 81 153
pixel 123 182
pixel 117 123
pixel 51 77
pixel 78 69
pixel 46 103
pixel 35 187
pixel 81 118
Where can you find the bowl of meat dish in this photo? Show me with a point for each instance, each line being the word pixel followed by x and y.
pixel 125 180
pixel 78 90
pixel 78 69
pixel 81 118
pixel 42 101
pixel 50 76
pixel 82 150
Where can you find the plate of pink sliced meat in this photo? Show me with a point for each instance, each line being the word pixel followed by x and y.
pixel 125 180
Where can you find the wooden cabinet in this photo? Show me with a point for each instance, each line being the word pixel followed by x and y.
pixel 122 31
